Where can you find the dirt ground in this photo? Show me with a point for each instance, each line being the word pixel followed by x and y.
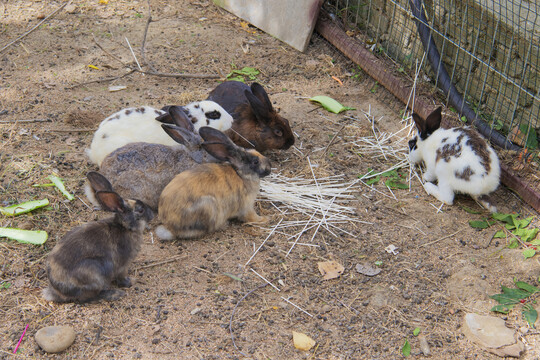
pixel 181 304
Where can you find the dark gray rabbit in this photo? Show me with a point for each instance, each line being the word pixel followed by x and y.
pixel 89 258
pixel 142 170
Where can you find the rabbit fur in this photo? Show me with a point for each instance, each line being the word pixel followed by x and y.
pixel 458 159
pixel 256 123
pixel 200 200
pixel 89 258
pixel 140 125
pixel 141 170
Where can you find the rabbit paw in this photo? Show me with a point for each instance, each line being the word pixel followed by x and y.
pixel 253 218
pixel 123 282
pixel 446 196
pixel 429 176
pixel 111 294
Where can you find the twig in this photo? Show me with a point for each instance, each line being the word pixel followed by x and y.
pixel 234 310
pixel 24 121
pixel 174 258
pixel 133 53
pixel 35 27
pixel 444 237
pixel 71 130
pixel 333 138
pixel 143 49
pixel 260 246
pixel 262 277
pixel 178 75
pixel 108 53
pixel 101 80
pixel 296 306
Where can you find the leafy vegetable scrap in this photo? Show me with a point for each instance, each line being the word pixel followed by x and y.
pixel 330 104
pixel 520 295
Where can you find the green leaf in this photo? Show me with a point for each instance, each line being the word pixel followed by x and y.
pixel 60 185
pixel 392 184
pixel 330 104
pixel 532 142
pixel 504 299
pixel 406 349
pixel 527 287
pixel 515 293
pixel 479 224
pixel 416 331
pixel 24 236
pixel 5 285
pixel 513 244
pixel 234 277
pixel 499 235
pixel 530 314
pixel 523 223
pixel 535 242
pixel 526 235
pixel 503 309
pixel 24 207
pixel 373 180
pixel 529 253
pixel 507 218
pixel 378 263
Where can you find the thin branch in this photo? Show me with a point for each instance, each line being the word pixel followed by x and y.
pixel 24 121
pixel 112 78
pixel 35 27
pixel 108 53
pixel 143 46
pixel 178 75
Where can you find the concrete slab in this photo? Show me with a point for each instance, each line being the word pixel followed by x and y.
pixel 290 21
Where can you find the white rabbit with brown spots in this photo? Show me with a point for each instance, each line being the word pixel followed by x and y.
pixel 458 159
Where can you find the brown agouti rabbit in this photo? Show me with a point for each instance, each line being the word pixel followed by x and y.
pixel 201 200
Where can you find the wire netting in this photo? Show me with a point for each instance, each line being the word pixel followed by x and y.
pixel 490 49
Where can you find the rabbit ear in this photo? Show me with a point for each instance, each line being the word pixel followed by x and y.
pixel 218 144
pixel 259 109
pixel 261 94
pixel 433 121
pixel 181 135
pixel 98 181
pixel 111 201
pixel 180 118
pixel 166 117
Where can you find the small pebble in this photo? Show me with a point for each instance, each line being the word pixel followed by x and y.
pixel 54 339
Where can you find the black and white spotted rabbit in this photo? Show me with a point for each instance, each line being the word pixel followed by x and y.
pixel 458 159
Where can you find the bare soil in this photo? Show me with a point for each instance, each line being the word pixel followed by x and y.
pixel 181 304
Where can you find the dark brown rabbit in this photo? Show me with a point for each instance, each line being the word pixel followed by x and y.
pixel 256 124
pixel 201 200
pixel 89 258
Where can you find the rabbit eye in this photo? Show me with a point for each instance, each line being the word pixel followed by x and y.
pixel 255 161
pixel 412 144
pixel 278 132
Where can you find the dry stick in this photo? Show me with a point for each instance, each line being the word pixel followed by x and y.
pixel 262 277
pixel 143 55
pixel 174 258
pixel 133 53
pixel 234 310
pixel 332 140
pixel 296 306
pixel 108 53
pixel 444 237
pixel 102 80
pixel 177 75
pixel 35 27
pixel 24 121
pixel 260 246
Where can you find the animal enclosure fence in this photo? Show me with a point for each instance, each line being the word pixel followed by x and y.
pixel 491 50
pixel 488 49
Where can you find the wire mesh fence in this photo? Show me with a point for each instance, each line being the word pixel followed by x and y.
pixel 490 48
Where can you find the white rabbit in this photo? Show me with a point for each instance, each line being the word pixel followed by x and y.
pixel 459 159
pixel 143 124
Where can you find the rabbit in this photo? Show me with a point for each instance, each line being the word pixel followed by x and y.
pixel 256 124
pixel 200 200
pixel 141 170
pixel 140 125
pixel 202 113
pixel 85 262
pixel 459 159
